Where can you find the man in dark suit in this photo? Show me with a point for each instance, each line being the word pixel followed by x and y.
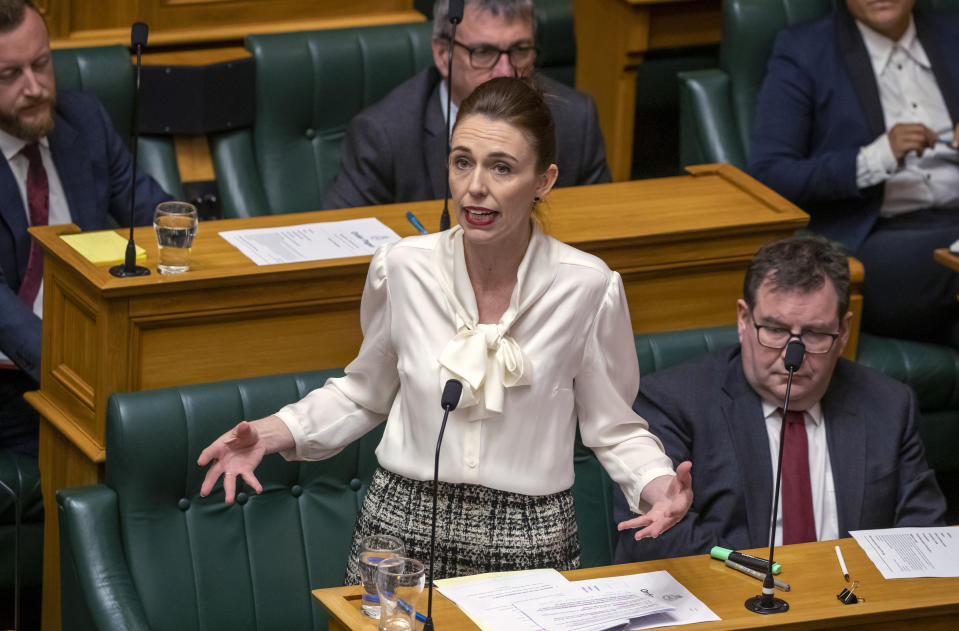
pixel 63 163
pixel 395 150
pixel 856 123
pixel 862 465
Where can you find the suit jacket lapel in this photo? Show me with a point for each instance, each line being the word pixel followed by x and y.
pixel 742 412
pixel 13 213
pixel 860 71
pixel 947 81
pixel 435 144
pixel 845 429
pixel 76 173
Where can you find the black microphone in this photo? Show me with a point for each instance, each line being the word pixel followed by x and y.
pixel 455 16
pixel 450 399
pixel 138 40
pixel 767 603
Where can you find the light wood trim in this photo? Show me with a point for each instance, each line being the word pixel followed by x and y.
pixel 204 36
pixel 809 568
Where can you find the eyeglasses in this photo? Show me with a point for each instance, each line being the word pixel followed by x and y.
pixel 816 342
pixel 485 56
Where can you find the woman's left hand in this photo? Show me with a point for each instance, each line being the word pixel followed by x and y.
pixel 670 497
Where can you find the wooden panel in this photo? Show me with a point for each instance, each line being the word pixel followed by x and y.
pixel 201 349
pixel 612 37
pixel 197 24
pixel 62 465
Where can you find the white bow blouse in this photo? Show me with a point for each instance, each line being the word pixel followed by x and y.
pixel 562 352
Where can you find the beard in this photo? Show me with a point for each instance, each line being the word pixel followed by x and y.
pixel 14 125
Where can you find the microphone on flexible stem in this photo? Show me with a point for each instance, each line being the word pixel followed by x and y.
pixel 138 39
pixel 451 397
pixel 767 603
pixel 455 17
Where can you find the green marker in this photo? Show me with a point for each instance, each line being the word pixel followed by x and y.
pixel 748 560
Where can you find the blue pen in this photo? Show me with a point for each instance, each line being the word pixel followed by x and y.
pixel 405 606
pixel 416 223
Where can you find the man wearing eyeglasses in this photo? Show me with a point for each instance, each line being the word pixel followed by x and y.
pixel 853 458
pixel 395 150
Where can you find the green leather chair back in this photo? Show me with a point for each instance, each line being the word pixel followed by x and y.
pixel 309 85
pixel 106 72
pixel 556 40
pixel 717 105
pixel 180 562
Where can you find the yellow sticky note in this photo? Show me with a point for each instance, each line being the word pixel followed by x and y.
pixel 105 246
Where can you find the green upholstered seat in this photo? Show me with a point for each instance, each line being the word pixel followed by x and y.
pixel 21 475
pixel 106 72
pixel 309 85
pixel 556 40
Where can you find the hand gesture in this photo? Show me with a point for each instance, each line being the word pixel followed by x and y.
pixel 906 137
pixel 235 453
pixel 670 496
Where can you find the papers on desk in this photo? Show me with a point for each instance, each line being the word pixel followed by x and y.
pixel 311 241
pixel 911 552
pixel 543 600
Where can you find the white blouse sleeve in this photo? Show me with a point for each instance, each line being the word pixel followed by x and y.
pixel 330 418
pixel 605 387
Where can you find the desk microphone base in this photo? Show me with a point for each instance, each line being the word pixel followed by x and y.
pixel 773 605
pixel 121 271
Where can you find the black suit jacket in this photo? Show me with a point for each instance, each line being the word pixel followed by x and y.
pixel 94 167
pixel 705 411
pixel 394 150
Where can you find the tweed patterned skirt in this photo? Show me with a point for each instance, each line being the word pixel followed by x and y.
pixel 478 529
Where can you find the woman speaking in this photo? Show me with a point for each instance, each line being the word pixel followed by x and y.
pixel 539 335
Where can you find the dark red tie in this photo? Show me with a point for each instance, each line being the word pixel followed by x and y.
pixel 38 203
pixel 799 522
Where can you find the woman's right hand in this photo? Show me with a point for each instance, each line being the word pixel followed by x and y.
pixel 238 452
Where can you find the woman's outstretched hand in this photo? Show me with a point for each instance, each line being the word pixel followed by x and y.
pixel 239 451
pixel 670 497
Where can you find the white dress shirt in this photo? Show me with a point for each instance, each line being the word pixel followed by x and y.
pixel 820 470
pixel 59 211
pixel 908 93
pixel 563 351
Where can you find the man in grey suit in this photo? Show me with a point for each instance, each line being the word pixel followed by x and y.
pixel 395 150
pixel 864 458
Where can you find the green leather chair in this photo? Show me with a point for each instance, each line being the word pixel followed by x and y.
pixel 556 40
pixel 144 551
pixel 309 85
pixel 106 72
pixel 717 105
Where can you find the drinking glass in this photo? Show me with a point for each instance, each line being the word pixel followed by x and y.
pixel 400 582
pixel 175 224
pixel 373 550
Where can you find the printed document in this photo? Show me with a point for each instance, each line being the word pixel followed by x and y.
pixel 912 552
pixel 311 241
pixel 543 600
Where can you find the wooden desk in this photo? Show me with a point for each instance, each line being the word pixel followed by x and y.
pixel 682 245
pixel 612 37
pixel 948 258
pixel 811 570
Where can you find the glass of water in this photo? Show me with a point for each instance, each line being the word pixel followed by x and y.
pixel 400 581
pixel 175 224
pixel 373 551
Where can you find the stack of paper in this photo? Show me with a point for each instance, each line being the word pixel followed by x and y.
pixel 105 246
pixel 543 600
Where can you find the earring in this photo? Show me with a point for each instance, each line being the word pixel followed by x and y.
pixel 536 199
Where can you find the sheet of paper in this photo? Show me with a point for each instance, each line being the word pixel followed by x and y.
pixel 584 611
pixel 311 241
pixel 661 587
pixel 491 602
pixel 104 246
pixel 911 552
